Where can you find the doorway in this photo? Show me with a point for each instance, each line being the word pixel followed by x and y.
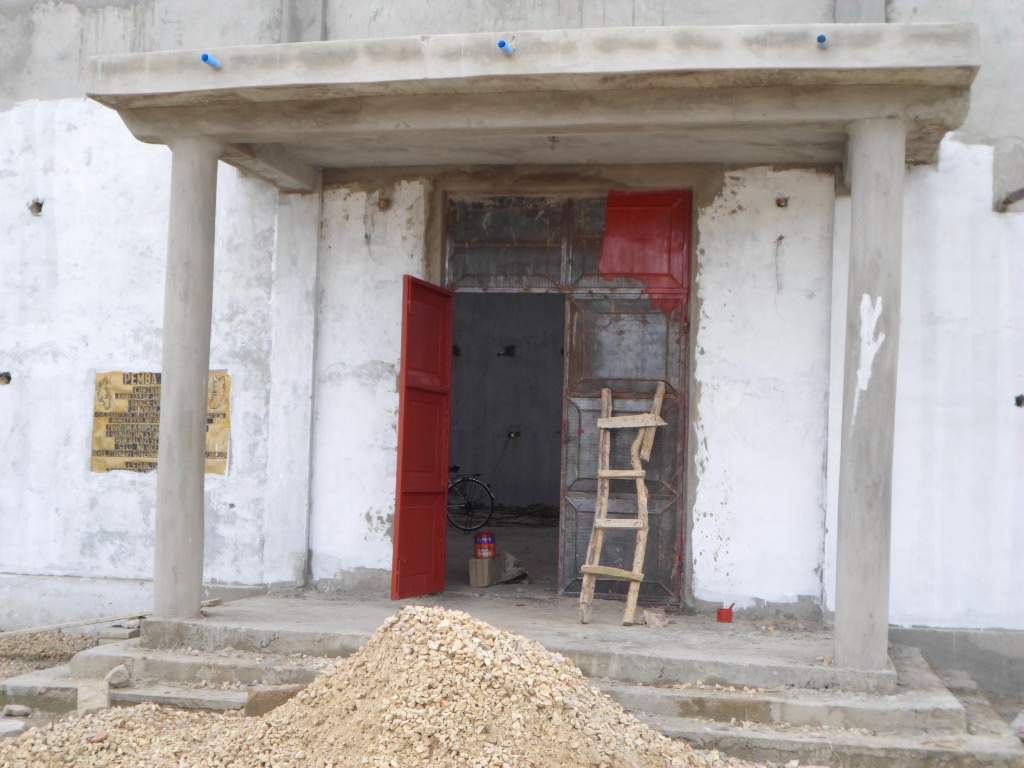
pixel 605 281
pixel 508 371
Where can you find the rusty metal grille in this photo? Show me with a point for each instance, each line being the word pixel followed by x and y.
pixel 504 243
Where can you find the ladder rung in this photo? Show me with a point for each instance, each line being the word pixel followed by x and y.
pixel 619 523
pixel 633 420
pixel 607 572
pixel 620 474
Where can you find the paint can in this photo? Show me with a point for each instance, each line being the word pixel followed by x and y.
pixel 725 614
pixel 483 545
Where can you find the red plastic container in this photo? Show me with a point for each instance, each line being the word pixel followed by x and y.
pixel 725 614
pixel 484 546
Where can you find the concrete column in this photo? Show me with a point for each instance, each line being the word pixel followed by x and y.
pixel 875 166
pixel 188 307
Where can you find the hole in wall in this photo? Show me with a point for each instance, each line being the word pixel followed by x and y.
pixel 5 378
pixel 36 207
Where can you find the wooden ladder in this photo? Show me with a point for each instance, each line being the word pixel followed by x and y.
pixel 645 423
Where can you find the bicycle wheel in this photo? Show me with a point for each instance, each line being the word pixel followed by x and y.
pixel 470 503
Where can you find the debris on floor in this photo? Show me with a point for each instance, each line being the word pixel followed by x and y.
pixel 512 571
pixel 653 618
pixel 432 687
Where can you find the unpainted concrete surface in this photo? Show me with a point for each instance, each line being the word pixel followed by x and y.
pixel 691 648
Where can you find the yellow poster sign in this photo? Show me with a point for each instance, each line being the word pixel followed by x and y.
pixel 126 422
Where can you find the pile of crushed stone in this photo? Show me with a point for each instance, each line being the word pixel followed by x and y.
pixel 49 646
pixel 22 653
pixel 432 687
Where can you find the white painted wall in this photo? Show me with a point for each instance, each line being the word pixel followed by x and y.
pixel 958 469
pixel 364 252
pixel 759 421
pixel 82 291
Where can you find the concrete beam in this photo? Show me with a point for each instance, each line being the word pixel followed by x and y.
pixel 798 125
pixel 876 168
pixel 188 310
pixel 591 59
pixel 275 164
pixel 545 112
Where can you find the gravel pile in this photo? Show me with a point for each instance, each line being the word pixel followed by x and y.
pixel 22 653
pixel 431 688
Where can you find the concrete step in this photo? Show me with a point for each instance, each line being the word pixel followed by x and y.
pixel 838 747
pixel 54 690
pixel 848 748
pixel 921 705
pixel 50 690
pixel 690 650
pixel 11 727
pixel 982 717
pixel 985 741
pixel 185 697
pixel 207 635
pixel 225 666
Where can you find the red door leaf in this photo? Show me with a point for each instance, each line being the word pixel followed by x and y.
pixel 424 412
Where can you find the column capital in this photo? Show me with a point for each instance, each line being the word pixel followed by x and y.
pixel 198 144
pixel 861 134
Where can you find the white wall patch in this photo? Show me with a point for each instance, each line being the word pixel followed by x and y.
pixel 869 345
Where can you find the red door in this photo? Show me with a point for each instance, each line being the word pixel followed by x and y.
pixel 424 409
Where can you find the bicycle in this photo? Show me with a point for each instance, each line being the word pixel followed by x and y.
pixel 470 501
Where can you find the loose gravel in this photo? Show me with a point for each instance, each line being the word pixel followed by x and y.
pixel 23 653
pixel 432 688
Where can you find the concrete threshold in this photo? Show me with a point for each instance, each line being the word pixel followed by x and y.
pixel 187 664
pixel 690 649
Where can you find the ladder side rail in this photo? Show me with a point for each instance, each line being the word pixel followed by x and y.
pixel 600 510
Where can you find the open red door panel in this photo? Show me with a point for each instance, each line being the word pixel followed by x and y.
pixel 424 422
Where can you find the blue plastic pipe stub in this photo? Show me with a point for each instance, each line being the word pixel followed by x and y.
pixel 506 47
pixel 822 41
pixel 208 59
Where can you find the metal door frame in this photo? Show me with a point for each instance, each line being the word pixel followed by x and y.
pixel 637 287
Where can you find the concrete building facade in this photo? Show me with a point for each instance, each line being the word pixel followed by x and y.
pixel 849 437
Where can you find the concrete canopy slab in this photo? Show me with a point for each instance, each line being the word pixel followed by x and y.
pixel 737 94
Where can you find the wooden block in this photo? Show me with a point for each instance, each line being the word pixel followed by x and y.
pixel 633 420
pixel 648 445
pixel 484 571
pixel 619 523
pixel 606 572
